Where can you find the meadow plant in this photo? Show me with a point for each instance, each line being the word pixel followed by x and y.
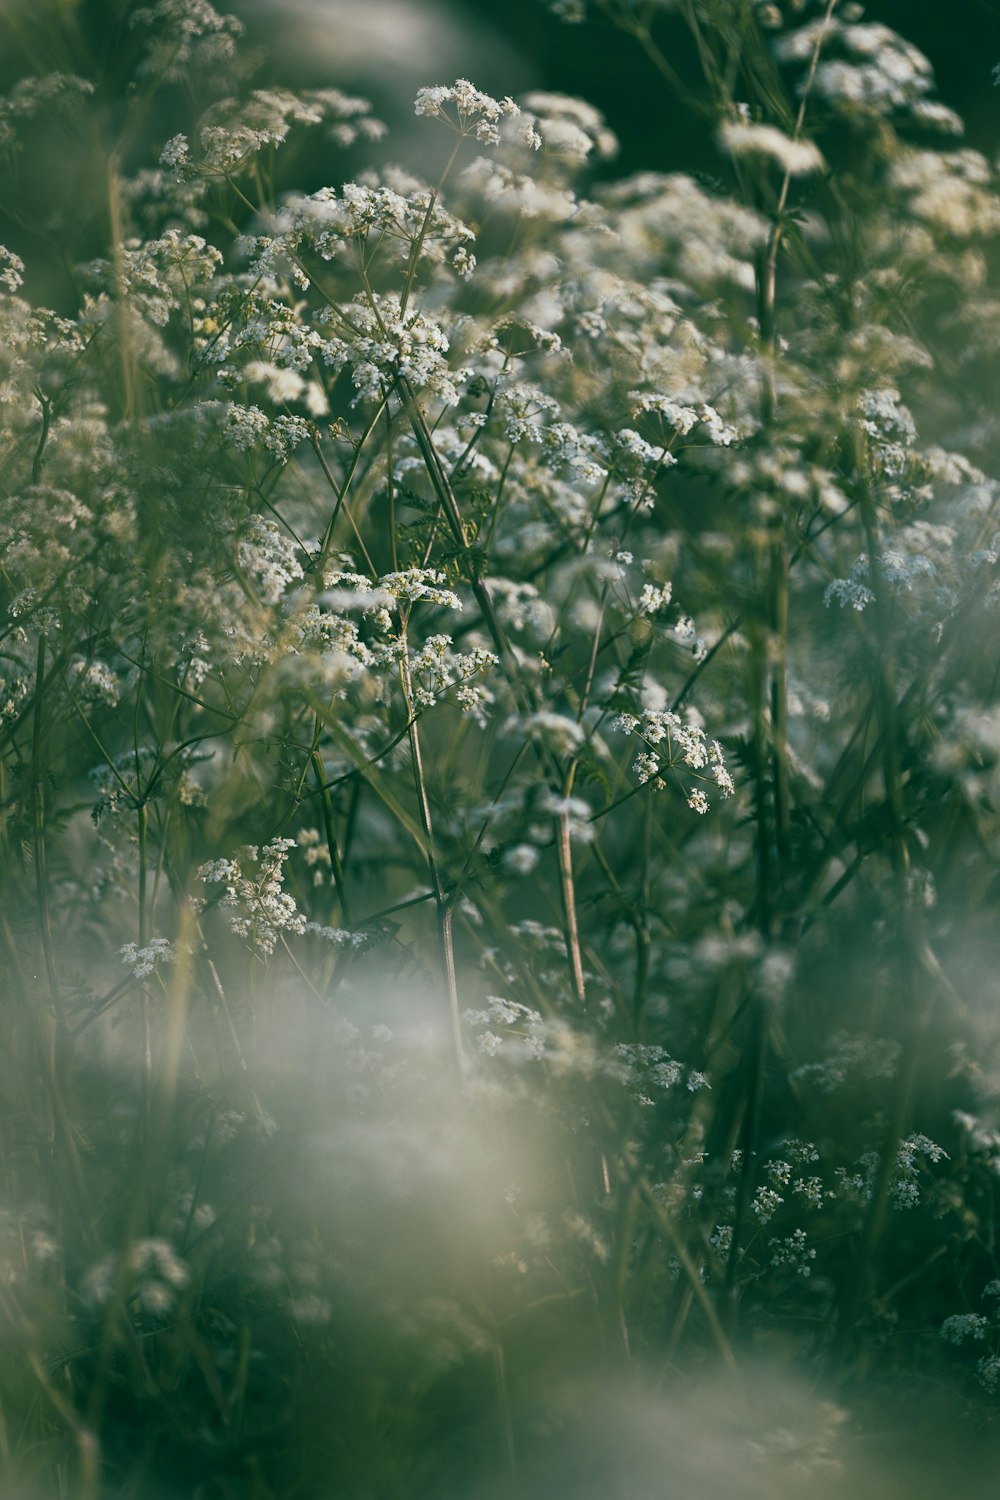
pixel 499 774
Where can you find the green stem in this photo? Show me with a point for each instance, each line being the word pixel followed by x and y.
pixel 326 805
pixel 441 901
pixel 38 831
pixel 143 821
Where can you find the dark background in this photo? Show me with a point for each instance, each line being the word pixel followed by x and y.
pixel 513 45
pixel 960 37
pixel 504 46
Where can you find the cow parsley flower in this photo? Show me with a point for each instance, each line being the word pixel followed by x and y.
pixel 466 109
pixel 793 1252
pixel 145 961
pixel 766 1203
pixel 260 909
pixel 796 157
pixel 11 269
pixel 962 1326
pixel 182 35
pixel 570 127
pixel 270 557
pixel 413 585
pixel 654 597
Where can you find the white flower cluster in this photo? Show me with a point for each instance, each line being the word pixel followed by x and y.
pixel 506 1027
pixel 435 668
pixel 721 1240
pixel 574 812
pixel 795 157
pixel 145 961
pixel 284 384
pixel 14 691
pixel 182 35
pixel 654 597
pixel 11 269
pixel 981 1137
pixel 889 424
pixel 766 1203
pixel 858 1060
pixel 648 1070
pixel 789 1172
pixel 962 1326
pixel 517 335
pixel 158 276
pixel 466 109
pixel 385 343
pixel 96 683
pixel 710 240
pixel 899 571
pixel 682 419
pixel 155 1274
pixel 793 1252
pixel 55 93
pixel 418 585
pixel 879 73
pixel 520 193
pixel 584 454
pixel 562 733
pixel 395 211
pixel 176 154
pixel 338 937
pixel 638 463
pixel 520 606
pixel 683 744
pixel 246 426
pixel 905 1185
pixel 234 130
pixel 269 557
pixel 567 127
pixel 953 191
pixel 525 408
pixel 260 908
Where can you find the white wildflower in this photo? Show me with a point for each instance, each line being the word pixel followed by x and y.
pixel 145 961
pixel 962 1326
pixel 793 1252
pixel 466 109
pixel 260 909
pixel 796 157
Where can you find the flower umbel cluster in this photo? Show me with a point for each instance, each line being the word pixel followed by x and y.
pixel 673 743
pixel 260 909
pixel 466 109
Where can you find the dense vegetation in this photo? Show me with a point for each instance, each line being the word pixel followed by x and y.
pixel 499 753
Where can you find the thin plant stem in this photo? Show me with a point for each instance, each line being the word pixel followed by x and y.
pixel 441 899
pixel 326 805
pixel 39 831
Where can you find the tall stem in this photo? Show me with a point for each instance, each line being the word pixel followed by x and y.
pixel 38 832
pixel 909 944
pixel 326 806
pixel 568 887
pixel 143 830
pixel 441 900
